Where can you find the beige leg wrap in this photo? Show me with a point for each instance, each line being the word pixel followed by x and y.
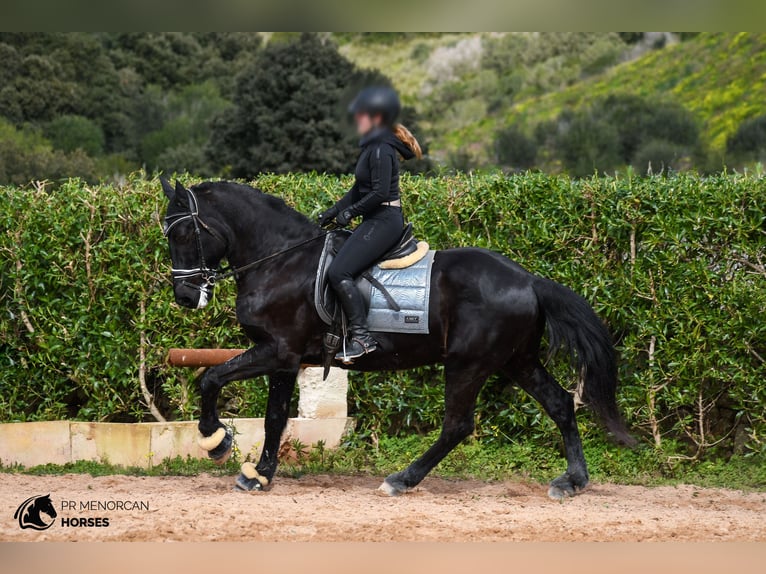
pixel 210 442
pixel 248 470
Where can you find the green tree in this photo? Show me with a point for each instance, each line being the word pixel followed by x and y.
pixel 179 144
pixel 641 120
pixel 659 156
pixel 624 130
pixel 588 142
pixel 133 97
pixel 288 112
pixel 166 59
pixel 749 141
pixel 25 156
pixel 69 133
pixel 514 149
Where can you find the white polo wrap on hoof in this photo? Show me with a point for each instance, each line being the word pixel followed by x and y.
pixel 388 489
pixel 249 472
pixel 210 442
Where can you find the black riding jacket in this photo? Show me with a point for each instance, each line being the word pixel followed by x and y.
pixel 377 173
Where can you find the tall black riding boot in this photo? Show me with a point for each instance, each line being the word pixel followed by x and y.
pixel 360 342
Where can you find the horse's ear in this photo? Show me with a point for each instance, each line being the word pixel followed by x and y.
pixel 167 189
pixel 181 195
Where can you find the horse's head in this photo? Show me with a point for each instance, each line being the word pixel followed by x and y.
pixel 44 504
pixel 196 248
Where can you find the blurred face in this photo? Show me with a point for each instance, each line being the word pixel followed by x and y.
pixel 365 123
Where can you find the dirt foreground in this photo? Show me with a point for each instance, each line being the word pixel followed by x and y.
pixel 332 508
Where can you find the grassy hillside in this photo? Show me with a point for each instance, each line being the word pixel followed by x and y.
pixel 404 58
pixel 721 78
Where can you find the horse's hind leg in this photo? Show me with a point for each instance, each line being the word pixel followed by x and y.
pixel 461 389
pixel 559 405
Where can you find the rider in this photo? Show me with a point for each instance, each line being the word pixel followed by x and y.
pixel 374 196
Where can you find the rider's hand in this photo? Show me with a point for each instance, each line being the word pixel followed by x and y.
pixel 327 216
pixel 344 218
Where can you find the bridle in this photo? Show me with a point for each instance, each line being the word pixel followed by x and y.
pixel 209 275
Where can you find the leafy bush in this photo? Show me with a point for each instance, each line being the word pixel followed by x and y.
pixel 26 156
pixel 587 143
pixel 179 144
pixel 421 52
pixel 640 120
pixel 70 133
pixel 657 156
pixel 611 132
pixel 749 141
pixel 514 149
pixel 718 76
pixel 674 265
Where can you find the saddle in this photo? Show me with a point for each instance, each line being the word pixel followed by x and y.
pixel 405 253
pixel 395 289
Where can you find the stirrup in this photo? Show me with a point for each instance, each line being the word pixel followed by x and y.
pixel 358 348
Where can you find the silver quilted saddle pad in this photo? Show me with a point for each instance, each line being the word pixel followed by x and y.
pixel 410 288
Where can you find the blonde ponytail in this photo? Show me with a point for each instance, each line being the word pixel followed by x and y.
pixel 406 137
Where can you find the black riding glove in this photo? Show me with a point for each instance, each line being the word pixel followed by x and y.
pixel 344 217
pixel 327 216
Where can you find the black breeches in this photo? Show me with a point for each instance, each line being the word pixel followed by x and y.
pixel 377 234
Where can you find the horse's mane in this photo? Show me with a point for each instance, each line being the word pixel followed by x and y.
pixel 273 202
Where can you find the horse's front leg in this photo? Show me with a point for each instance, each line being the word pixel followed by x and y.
pixel 216 438
pixel 281 387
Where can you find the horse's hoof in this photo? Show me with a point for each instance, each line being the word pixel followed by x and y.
pixel 560 493
pixel 222 447
pixel 392 487
pixel 244 484
pixel 250 479
pixel 565 486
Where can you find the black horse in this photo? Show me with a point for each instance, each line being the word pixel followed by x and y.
pixel 487 316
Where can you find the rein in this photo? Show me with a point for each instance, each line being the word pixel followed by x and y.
pixel 233 271
pixel 209 275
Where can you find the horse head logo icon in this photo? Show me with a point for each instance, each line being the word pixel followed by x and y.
pixel 28 513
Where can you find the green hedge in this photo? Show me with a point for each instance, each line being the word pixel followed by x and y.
pixel 674 265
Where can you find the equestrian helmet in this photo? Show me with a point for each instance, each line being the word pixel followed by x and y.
pixel 376 100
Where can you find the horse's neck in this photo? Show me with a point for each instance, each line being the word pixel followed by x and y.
pixel 260 232
pixel 274 273
pixel 34 514
pixel 267 235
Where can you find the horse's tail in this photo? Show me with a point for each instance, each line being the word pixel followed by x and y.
pixel 573 325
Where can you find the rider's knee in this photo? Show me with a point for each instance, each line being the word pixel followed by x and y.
pixel 335 276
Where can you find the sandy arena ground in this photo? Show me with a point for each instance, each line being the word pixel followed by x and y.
pixel 333 508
